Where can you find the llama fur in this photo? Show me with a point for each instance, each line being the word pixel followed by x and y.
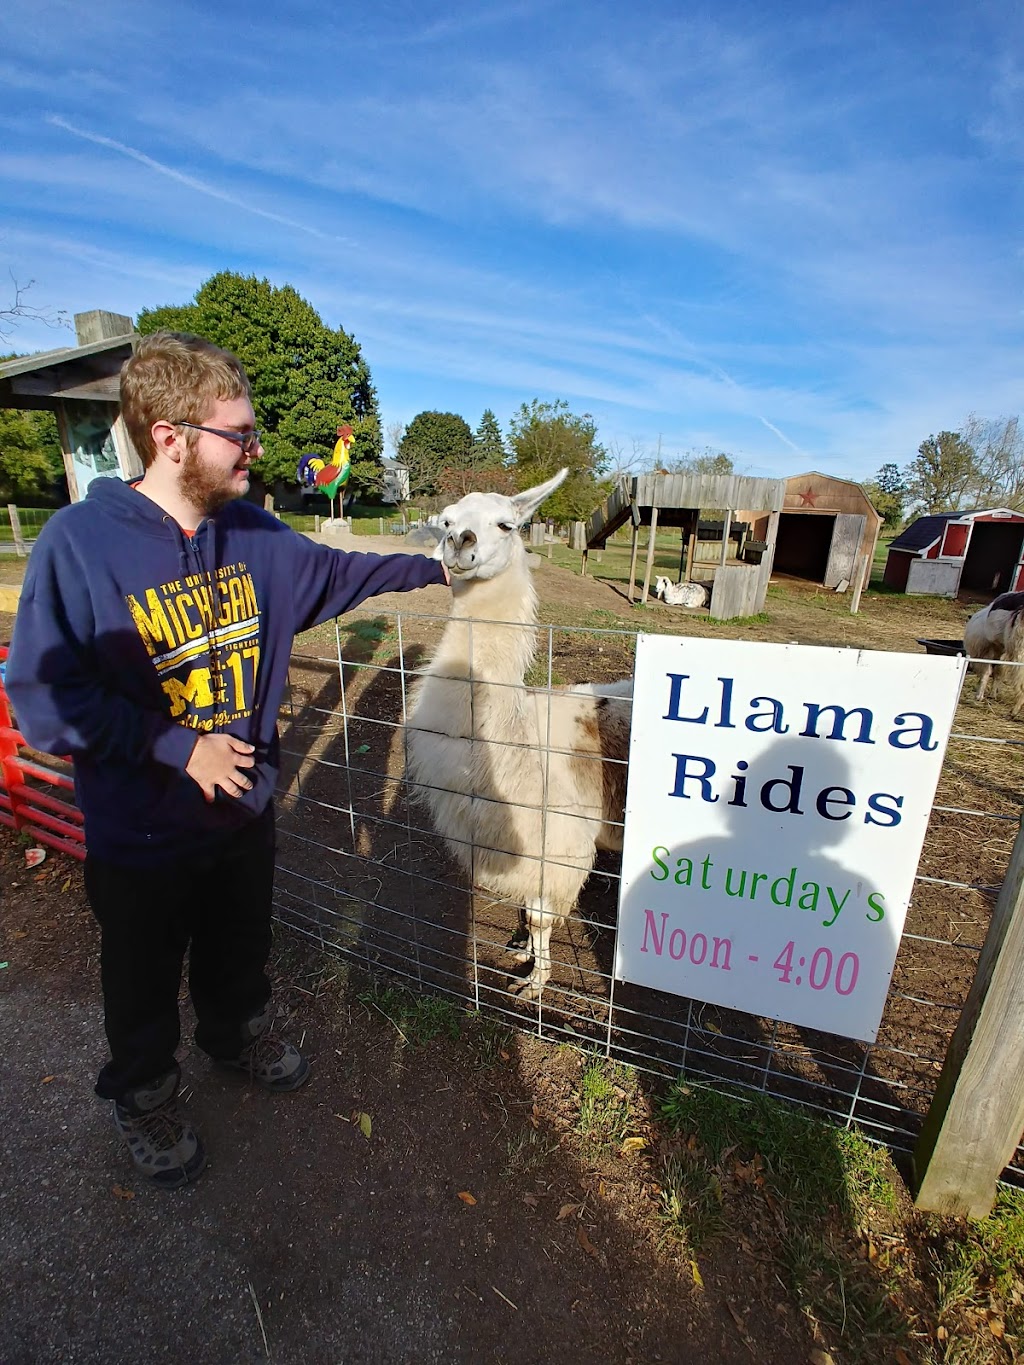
pixel 680 594
pixel 994 634
pixel 523 783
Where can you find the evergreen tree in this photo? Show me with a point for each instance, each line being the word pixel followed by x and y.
pixel 488 443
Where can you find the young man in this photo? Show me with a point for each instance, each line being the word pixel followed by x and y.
pixel 152 644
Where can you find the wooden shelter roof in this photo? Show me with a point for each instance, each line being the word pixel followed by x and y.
pixel 678 497
pixel 91 371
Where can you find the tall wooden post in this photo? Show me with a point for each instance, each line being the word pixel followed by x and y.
pixel 650 556
pixel 726 528
pixel 977 1116
pixel 691 551
pixel 632 562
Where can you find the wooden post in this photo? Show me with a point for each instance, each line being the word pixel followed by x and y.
pixel 316 522
pixel 19 539
pixel 859 580
pixel 632 562
pixel 726 528
pixel 691 551
pixel 977 1116
pixel 381 520
pixel 583 568
pixel 650 556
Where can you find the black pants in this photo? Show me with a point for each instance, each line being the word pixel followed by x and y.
pixel 218 907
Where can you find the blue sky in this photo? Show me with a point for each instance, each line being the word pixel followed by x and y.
pixel 790 231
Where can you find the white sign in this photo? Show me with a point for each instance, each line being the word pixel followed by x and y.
pixel 777 802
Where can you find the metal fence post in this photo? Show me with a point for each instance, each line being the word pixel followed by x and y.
pixel 977 1116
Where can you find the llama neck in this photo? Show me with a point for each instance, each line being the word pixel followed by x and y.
pixel 488 636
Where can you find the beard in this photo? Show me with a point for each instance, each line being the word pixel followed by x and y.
pixel 205 487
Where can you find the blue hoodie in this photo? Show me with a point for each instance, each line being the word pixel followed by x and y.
pixel 132 637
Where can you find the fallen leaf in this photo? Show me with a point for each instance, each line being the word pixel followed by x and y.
pixel 466 1197
pixel 633 1144
pixel 66 884
pixel 941 1334
pixel 695 1271
pixel 996 1327
pixel 505 1057
pixel 41 877
pixel 363 749
pixel 901 1357
pixel 120 1192
pixel 34 856
pixel 46 1080
pixel 365 1125
pixel 821 1358
pixel 566 1211
pixel 586 1243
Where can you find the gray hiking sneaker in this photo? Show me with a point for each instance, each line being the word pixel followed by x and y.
pixel 268 1059
pixel 164 1148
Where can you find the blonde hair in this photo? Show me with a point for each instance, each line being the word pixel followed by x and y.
pixel 175 377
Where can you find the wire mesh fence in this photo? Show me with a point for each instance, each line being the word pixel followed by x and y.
pixel 363 872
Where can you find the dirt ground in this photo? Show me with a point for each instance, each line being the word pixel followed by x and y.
pixel 468 1225
pixel 418 1200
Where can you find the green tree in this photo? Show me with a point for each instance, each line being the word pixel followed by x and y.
pixel 307 379
pixel 887 493
pixel 434 441
pixel 30 455
pixel 488 443
pixel 706 461
pixel 543 438
pixel 999 453
pixel 944 474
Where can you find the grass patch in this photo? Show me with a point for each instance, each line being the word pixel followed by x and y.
pixel 526 1151
pixel 607 1091
pixel 979 1270
pixel 733 1165
pixel 418 1019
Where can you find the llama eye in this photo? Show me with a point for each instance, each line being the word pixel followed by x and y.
pixel 504 526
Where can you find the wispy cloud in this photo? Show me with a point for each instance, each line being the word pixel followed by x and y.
pixel 189 181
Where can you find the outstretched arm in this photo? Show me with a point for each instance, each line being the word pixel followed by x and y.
pixel 329 582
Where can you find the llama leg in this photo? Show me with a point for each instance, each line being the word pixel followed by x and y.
pixel 540 923
pixel 519 944
pixel 986 677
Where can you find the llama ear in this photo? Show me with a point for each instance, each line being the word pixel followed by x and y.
pixel 527 502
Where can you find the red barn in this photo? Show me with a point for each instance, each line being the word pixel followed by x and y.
pixel 948 551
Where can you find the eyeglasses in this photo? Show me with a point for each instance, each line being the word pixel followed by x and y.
pixel 247 440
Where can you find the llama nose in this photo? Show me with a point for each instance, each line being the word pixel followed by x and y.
pixel 465 540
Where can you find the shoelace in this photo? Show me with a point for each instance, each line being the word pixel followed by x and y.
pixel 163 1127
pixel 265 1050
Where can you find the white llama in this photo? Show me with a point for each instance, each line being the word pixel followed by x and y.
pixel 997 632
pixel 680 594
pixel 524 784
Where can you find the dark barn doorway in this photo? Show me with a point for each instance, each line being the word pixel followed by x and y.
pixel 804 543
pixel 992 556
